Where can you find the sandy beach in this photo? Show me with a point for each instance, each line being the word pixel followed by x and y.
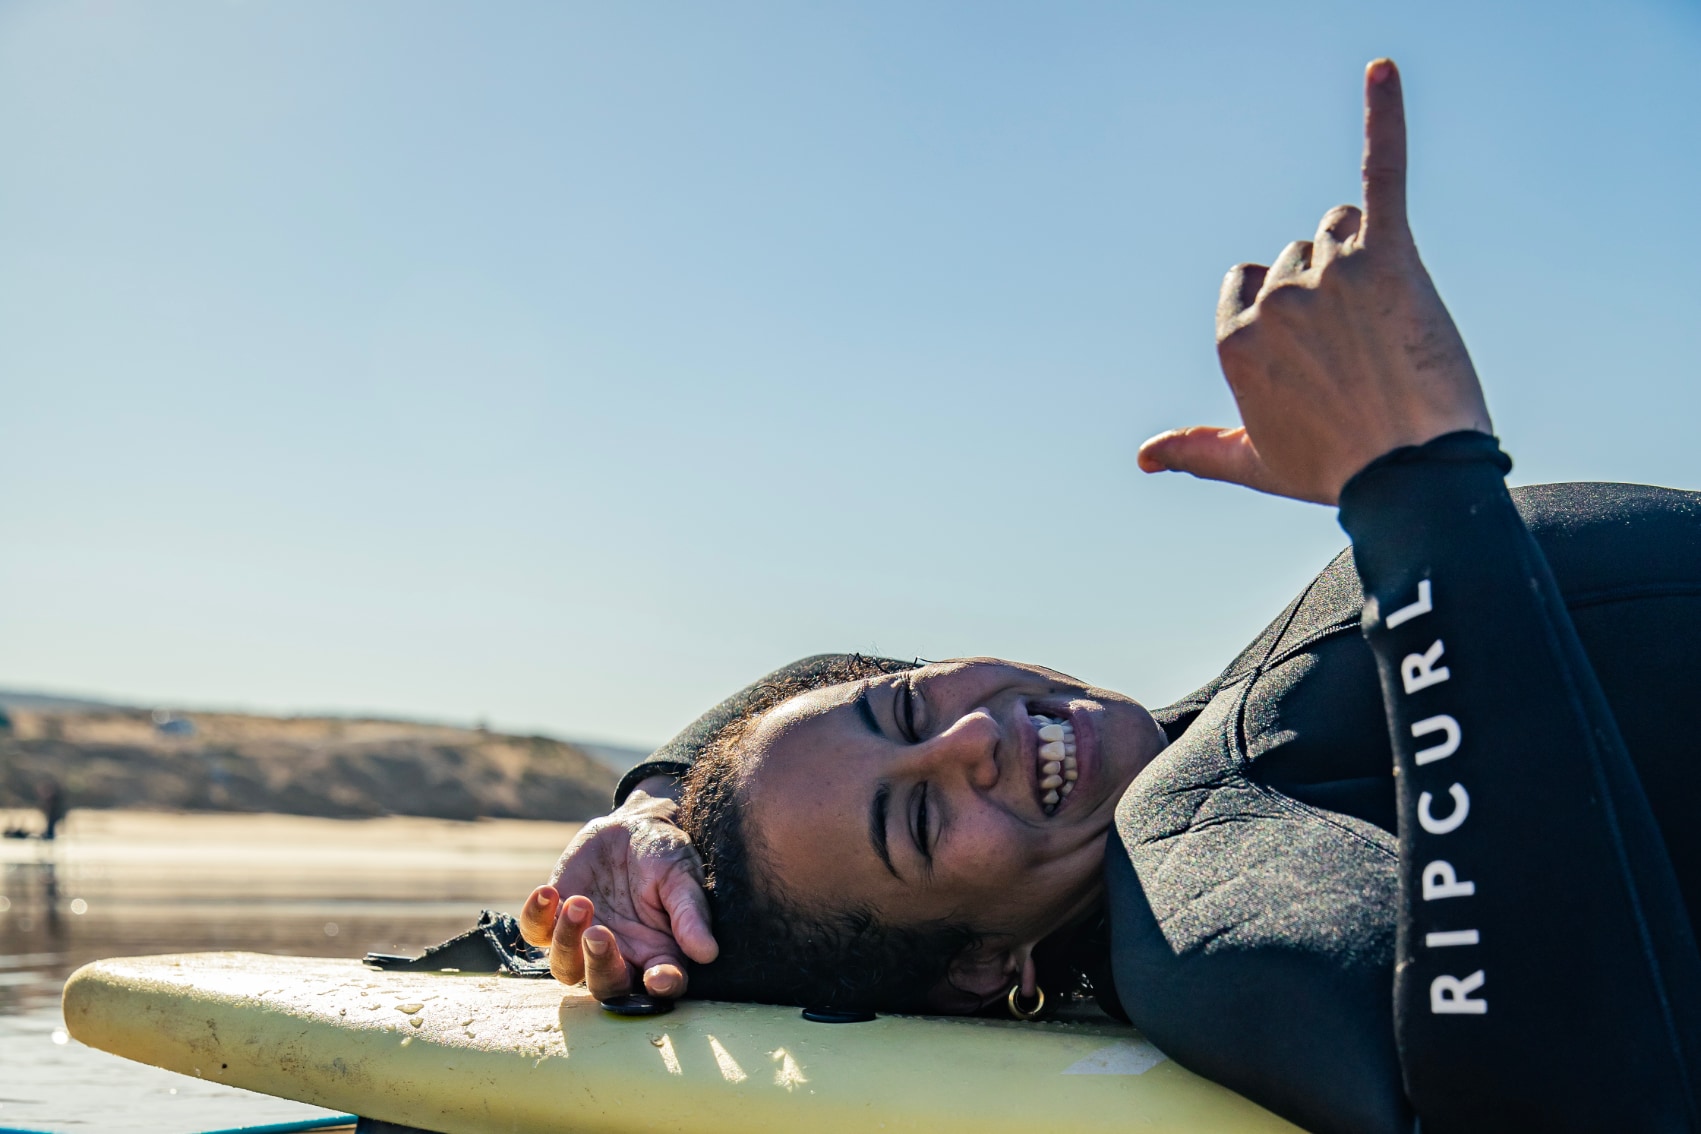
pixel 141 859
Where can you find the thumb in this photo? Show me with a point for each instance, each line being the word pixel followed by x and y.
pixel 1207 451
pixel 688 912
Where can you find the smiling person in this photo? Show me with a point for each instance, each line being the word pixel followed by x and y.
pixel 1423 852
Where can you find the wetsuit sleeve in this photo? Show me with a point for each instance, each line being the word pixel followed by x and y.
pixel 675 769
pixel 1547 976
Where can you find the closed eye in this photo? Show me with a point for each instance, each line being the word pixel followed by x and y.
pixel 923 834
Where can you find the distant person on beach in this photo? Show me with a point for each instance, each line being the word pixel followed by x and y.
pixel 50 797
pixel 1424 855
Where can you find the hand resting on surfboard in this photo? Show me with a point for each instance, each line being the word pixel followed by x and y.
pixel 627 893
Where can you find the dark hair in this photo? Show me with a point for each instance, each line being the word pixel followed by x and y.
pixel 773 949
pixel 777 951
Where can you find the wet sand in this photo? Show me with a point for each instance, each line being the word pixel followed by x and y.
pixel 132 882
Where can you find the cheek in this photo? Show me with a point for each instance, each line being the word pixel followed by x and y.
pixel 992 854
pixel 1025 874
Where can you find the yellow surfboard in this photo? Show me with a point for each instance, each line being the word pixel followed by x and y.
pixel 481 1054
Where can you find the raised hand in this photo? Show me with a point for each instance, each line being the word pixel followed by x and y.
pixel 627 893
pixel 1341 349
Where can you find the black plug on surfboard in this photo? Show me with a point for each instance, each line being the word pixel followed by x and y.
pixel 837 1015
pixel 637 1004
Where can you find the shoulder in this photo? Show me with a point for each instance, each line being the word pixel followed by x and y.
pixel 1253 936
pixel 1224 860
pixel 1602 540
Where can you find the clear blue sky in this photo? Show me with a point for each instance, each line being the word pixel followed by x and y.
pixel 570 365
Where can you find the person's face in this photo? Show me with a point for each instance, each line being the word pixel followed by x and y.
pixel 928 796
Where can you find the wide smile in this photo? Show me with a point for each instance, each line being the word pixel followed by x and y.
pixel 1058 746
pixel 1055 767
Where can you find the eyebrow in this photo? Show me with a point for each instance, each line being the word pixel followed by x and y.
pixel 877 812
pixel 866 711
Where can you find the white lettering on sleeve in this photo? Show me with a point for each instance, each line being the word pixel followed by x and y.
pixel 1451 937
pixel 1411 610
pixel 1451 996
pixel 1461 808
pixel 1439 881
pixel 1447 747
pixel 1419 671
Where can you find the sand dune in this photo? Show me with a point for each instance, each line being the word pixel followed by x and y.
pixel 322 766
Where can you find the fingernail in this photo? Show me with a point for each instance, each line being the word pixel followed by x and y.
pixel 1380 70
pixel 659 982
pixel 596 946
pixel 578 910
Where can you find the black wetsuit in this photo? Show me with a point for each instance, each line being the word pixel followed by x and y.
pixel 1484 924
pixel 1436 872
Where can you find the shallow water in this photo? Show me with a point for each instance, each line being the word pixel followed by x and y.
pixel 134 883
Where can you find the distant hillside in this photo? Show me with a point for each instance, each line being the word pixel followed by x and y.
pixel 111 756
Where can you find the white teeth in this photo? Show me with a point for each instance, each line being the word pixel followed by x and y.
pixel 1057 765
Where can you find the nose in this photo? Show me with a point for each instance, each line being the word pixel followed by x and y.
pixel 969 748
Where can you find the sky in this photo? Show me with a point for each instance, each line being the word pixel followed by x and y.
pixel 569 365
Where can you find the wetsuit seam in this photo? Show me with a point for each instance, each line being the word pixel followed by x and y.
pixel 1334 629
pixel 1287 621
pixel 1241 746
pixel 1241 762
pixel 1290 804
pixel 1609 811
pixel 1630 593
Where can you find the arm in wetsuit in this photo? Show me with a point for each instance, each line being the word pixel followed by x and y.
pixel 1547 973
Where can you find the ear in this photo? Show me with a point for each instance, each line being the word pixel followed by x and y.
pixel 982 975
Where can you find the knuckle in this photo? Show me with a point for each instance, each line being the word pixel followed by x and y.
pixel 1285 299
pixel 1347 268
pixel 1235 337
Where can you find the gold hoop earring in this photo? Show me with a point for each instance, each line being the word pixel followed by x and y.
pixel 1014 1000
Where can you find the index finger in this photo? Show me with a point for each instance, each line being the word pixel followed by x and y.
pixel 1384 155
